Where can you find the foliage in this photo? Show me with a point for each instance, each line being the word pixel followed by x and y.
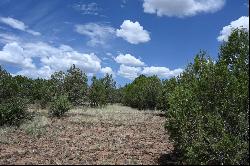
pixel 59 106
pixel 110 88
pixel 42 92
pixel 97 93
pixel 75 84
pixel 58 79
pixel 24 87
pixel 8 86
pixel 118 95
pixel 12 103
pixel 12 111
pixel 168 87
pixel 208 114
pixel 142 93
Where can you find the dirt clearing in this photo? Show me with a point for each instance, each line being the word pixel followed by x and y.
pixel 113 135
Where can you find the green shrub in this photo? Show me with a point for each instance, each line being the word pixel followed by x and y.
pixel 209 107
pixel 142 93
pixel 59 106
pixel 75 85
pixel 12 111
pixel 110 88
pixel 168 87
pixel 97 93
pixel 42 92
pixel 8 86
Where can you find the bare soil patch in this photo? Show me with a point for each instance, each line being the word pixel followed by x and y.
pixel 112 135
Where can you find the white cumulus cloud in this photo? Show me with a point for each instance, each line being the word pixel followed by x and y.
pixel 242 22
pixel 133 72
pixel 133 32
pixel 13 54
pixel 49 58
pixel 61 58
pixel 16 24
pixel 128 59
pixel 129 72
pixel 181 8
pixel 42 72
pixel 98 34
pixel 107 70
pixel 161 72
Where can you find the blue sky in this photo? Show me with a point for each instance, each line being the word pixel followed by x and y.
pixel 122 37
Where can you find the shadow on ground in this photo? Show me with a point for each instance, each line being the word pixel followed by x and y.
pixel 172 158
pixel 161 114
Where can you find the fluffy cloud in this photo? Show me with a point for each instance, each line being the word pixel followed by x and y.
pixel 242 22
pixel 133 72
pixel 161 72
pixel 129 72
pixel 12 53
pixel 16 24
pixel 133 32
pixel 128 59
pixel 43 72
pixel 181 8
pixel 98 34
pixel 107 70
pixel 61 58
pixel 49 58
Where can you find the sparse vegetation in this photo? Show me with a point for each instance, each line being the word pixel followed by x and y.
pixel 206 109
pixel 36 127
pixel 109 135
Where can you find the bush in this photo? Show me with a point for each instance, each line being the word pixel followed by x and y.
pixel 168 87
pixel 110 88
pixel 8 86
pixel 142 93
pixel 12 111
pixel 208 114
pixel 41 92
pixel 75 84
pixel 97 93
pixel 59 106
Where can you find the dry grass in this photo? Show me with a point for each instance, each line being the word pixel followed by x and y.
pixel 36 126
pixel 114 114
pixel 111 135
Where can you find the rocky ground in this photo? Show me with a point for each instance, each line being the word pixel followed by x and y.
pixel 112 135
